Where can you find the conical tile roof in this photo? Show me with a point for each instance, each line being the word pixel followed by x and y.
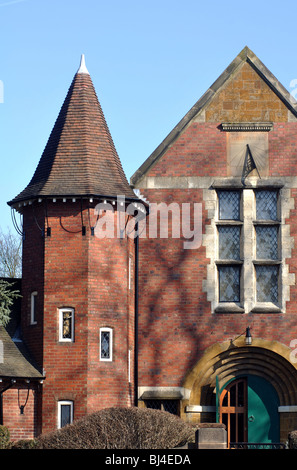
pixel 80 158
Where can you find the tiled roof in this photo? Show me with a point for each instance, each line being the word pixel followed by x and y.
pixel 14 359
pixel 80 158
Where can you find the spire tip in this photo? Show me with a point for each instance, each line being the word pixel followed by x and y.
pixel 82 67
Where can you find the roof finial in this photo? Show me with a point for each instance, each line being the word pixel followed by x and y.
pixel 82 67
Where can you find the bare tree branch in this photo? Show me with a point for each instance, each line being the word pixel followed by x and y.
pixel 10 255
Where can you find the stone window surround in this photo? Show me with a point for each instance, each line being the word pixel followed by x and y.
pixel 248 282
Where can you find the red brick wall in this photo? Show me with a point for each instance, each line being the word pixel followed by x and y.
pixel 21 426
pixel 90 275
pixel 33 278
pixel 176 322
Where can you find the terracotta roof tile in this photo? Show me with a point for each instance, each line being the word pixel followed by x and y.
pixel 80 158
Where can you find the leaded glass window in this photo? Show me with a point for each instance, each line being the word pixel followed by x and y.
pixel 266 205
pixel 171 406
pixel 267 283
pixel 229 242
pixel 106 344
pixel 229 283
pixel 267 246
pixel 267 242
pixel 229 205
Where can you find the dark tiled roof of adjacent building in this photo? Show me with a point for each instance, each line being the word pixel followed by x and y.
pixel 14 359
pixel 80 158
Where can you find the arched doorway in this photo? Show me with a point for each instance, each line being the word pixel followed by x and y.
pixel 266 367
pixel 249 410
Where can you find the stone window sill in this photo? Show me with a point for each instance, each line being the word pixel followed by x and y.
pixel 266 307
pixel 229 307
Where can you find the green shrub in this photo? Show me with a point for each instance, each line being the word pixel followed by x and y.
pixel 4 437
pixel 120 428
pixel 24 444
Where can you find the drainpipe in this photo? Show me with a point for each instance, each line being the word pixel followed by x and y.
pixel 136 242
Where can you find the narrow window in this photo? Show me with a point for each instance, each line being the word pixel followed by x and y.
pixel 33 308
pixel 106 344
pixel 130 273
pixel 229 259
pixel 66 324
pixel 267 260
pixel 65 413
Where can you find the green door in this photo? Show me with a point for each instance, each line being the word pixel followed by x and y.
pixel 262 413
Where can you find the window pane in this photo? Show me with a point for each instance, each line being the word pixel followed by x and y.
pixel 267 242
pixel 67 325
pixel 266 205
pixel 229 283
pixel 154 404
pixel 229 243
pixel 229 205
pixel 65 415
pixel 105 344
pixel 233 395
pixel 171 406
pixel 267 283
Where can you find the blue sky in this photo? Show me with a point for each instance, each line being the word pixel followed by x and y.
pixel 150 61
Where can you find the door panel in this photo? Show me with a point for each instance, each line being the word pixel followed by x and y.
pixel 233 410
pixel 263 416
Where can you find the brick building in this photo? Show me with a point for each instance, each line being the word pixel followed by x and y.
pixel 203 327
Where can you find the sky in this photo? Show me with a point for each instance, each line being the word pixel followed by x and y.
pixel 150 61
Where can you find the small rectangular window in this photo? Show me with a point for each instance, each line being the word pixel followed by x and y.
pixel 66 324
pixel 267 242
pixel 65 413
pixel 229 283
pixel 267 283
pixel 229 242
pixel 229 205
pixel 266 205
pixel 33 308
pixel 171 406
pixel 106 344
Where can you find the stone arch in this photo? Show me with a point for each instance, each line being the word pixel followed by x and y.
pixel 231 359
